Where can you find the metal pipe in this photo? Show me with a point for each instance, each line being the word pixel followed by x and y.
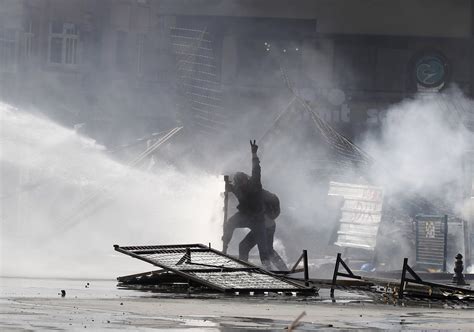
pixel 188 255
pixel 445 243
pixel 226 205
pixel 334 276
pixel 402 281
pixel 305 264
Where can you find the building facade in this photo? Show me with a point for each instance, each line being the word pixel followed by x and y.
pixel 128 68
pixel 100 59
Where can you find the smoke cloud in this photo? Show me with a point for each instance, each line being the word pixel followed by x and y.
pixel 66 198
pixel 65 202
pixel 422 146
pixel 421 151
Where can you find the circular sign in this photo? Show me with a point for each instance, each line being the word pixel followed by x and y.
pixel 431 70
pixel 336 97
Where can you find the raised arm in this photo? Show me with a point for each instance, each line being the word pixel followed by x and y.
pixel 256 169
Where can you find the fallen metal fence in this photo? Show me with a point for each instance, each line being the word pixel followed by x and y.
pixel 213 269
pixel 427 289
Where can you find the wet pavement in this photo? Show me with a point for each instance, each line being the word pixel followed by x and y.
pixel 37 304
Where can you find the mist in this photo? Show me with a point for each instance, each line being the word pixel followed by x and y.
pixel 420 153
pixel 68 192
pixel 421 147
pixel 74 202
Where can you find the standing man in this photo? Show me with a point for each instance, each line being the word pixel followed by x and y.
pixel 271 205
pixel 251 214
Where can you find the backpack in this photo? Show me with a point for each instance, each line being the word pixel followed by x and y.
pixel 271 204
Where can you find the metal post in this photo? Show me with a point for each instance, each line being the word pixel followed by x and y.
pixel 402 281
pixel 305 264
pixel 334 276
pixel 458 277
pixel 226 203
pixel 445 243
pixel 417 235
pixel 188 255
pixel 467 242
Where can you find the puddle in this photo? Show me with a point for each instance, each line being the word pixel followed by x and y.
pixel 35 304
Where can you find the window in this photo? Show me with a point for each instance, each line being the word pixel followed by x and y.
pixel 28 38
pixel 63 44
pixel 354 66
pixel 130 53
pixel 262 61
pixel 8 50
pixel 121 51
pixel 140 53
pixel 391 69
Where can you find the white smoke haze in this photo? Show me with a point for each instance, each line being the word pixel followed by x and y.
pixel 45 226
pixel 421 147
pixel 420 152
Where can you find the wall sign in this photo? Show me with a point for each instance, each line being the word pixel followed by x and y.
pixel 431 70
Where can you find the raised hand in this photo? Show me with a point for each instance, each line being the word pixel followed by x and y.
pixel 253 146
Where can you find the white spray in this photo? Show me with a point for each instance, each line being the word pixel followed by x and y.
pixel 65 202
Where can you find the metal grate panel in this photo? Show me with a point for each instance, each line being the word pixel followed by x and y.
pixel 198 77
pixel 431 236
pixel 244 280
pixel 361 214
pixel 199 259
pixel 211 268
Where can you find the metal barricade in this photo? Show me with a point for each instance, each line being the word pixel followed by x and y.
pixel 431 235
